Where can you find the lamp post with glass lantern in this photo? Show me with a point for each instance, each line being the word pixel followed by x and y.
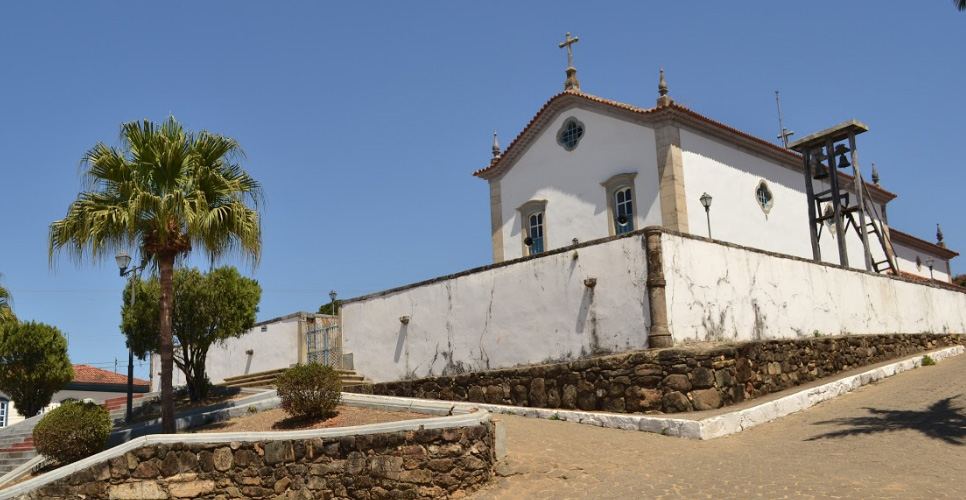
pixel 706 203
pixel 929 263
pixel 124 260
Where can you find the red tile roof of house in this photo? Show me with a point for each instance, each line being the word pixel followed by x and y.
pixel 86 374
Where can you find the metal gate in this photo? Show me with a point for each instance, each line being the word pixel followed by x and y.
pixel 323 345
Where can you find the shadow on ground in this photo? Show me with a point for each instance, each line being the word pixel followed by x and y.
pixel 942 420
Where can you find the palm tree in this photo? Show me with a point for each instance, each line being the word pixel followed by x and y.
pixel 960 4
pixel 166 191
pixel 6 314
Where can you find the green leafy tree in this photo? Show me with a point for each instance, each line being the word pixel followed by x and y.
pixel 327 308
pixel 208 309
pixel 961 279
pixel 6 313
pixel 33 364
pixel 166 191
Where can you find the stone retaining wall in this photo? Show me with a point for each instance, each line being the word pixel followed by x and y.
pixel 671 380
pixel 415 464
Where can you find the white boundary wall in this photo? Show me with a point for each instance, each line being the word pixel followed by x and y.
pixel 538 309
pixel 534 310
pixel 723 292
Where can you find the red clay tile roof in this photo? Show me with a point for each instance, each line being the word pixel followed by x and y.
pixel 482 173
pixel 908 239
pixel 86 374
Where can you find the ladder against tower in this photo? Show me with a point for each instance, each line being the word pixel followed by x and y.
pixel 823 155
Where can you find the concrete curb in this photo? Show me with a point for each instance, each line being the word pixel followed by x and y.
pixel 711 427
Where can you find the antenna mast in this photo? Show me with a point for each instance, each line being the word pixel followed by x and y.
pixel 784 132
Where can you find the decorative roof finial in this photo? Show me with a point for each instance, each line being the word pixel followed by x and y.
pixel 496 147
pixel 664 100
pixel 875 175
pixel 571 83
pixel 939 236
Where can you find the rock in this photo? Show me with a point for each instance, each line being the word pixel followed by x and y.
pixel 476 395
pixel 277 452
pixel 706 399
pixel 538 393
pixel 677 382
pixel 191 489
pixel 222 459
pixel 281 485
pixel 676 402
pixel 569 398
pixel 702 378
pixel 586 396
pixel 142 490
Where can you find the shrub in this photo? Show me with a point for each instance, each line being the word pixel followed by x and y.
pixel 73 431
pixel 928 361
pixel 311 391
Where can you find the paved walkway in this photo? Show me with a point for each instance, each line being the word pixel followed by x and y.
pixel 904 437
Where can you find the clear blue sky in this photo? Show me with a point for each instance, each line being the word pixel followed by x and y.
pixel 365 120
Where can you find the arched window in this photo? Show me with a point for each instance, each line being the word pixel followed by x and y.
pixel 620 202
pixel 764 197
pixel 533 230
pixel 624 210
pixel 570 133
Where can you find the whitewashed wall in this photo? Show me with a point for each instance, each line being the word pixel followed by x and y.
pixel 731 176
pixel 276 347
pixel 717 292
pixel 907 263
pixel 570 180
pixel 525 312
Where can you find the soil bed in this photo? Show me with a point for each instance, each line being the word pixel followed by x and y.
pixel 277 420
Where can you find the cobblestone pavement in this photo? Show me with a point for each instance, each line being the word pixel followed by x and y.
pixel 904 437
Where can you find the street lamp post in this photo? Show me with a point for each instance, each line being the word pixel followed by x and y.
pixel 124 260
pixel 929 263
pixel 332 296
pixel 706 203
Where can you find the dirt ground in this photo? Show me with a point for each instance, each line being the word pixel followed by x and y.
pixel 278 420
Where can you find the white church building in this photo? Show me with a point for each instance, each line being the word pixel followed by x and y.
pixel 586 168
pixel 616 227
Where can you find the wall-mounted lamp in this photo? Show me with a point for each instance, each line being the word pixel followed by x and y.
pixel 575 241
pixel 590 283
pixel 929 263
pixel 404 320
pixel 250 352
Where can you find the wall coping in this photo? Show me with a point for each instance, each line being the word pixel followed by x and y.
pixel 461 417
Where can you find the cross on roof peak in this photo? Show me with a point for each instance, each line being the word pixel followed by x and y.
pixel 571 83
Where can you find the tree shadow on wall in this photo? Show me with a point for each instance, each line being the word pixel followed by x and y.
pixel 942 420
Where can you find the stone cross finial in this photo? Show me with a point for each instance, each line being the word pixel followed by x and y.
pixel 496 147
pixel 875 175
pixel 571 83
pixel 664 100
pixel 939 236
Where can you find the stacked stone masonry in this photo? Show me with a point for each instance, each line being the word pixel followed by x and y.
pixel 690 378
pixel 421 464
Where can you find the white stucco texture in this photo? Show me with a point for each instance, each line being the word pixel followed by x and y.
pixel 717 292
pixel 731 176
pixel 570 181
pixel 527 312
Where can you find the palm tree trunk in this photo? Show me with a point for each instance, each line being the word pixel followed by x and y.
pixel 166 266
